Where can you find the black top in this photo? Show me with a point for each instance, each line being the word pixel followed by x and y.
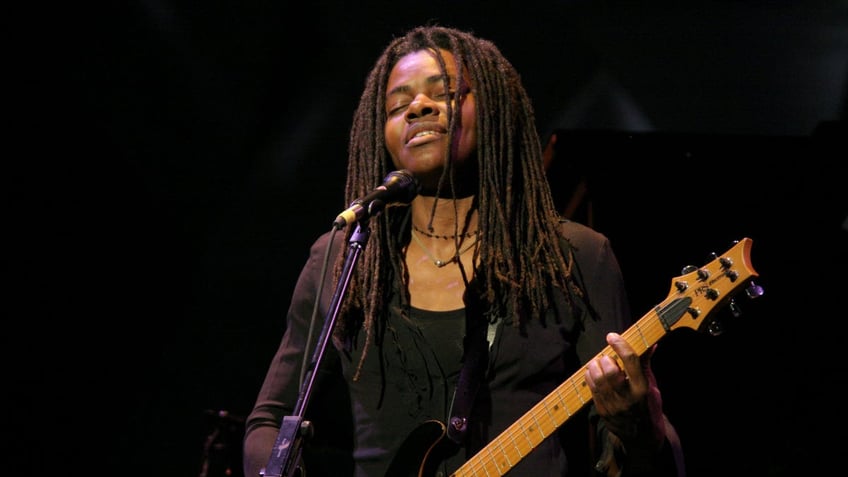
pixel 388 403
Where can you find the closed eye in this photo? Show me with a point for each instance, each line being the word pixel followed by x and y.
pixel 398 109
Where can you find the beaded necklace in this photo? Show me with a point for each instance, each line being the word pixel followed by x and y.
pixel 436 261
pixel 446 237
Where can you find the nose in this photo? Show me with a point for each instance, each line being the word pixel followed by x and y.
pixel 421 106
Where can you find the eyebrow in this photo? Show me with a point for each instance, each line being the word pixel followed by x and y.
pixel 406 88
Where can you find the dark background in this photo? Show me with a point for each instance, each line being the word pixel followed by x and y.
pixel 191 151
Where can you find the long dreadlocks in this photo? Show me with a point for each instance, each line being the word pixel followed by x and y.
pixel 521 257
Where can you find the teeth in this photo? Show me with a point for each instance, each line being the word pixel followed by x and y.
pixel 425 133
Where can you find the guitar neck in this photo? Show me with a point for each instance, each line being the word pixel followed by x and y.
pixel 543 419
pixel 691 299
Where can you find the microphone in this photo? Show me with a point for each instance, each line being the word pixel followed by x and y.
pixel 399 187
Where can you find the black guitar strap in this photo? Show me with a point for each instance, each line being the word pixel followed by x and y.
pixel 475 361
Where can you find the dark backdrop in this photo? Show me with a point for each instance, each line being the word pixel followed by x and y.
pixel 186 154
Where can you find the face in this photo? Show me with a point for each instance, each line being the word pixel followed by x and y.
pixel 416 128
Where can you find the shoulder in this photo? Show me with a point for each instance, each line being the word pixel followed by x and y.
pixel 594 258
pixel 585 240
pixel 318 259
pixel 332 240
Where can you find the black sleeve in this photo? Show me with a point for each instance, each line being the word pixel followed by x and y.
pixel 280 389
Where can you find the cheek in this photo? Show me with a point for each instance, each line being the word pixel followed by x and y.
pixel 392 135
pixel 469 127
pixel 468 142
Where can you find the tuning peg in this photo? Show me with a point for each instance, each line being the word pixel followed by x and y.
pixel 703 274
pixel 688 269
pixel 754 290
pixel 734 308
pixel 715 328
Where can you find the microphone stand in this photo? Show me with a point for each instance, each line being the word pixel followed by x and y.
pixel 287 451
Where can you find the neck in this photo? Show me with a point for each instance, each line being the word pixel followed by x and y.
pixel 449 217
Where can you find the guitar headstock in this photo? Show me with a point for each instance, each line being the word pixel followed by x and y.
pixel 702 290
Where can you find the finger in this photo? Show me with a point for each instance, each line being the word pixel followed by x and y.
pixel 600 390
pixel 606 381
pixel 592 370
pixel 603 371
pixel 626 353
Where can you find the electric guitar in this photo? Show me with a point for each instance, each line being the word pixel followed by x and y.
pixel 692 299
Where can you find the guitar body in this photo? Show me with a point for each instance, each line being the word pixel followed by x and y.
pixel 691 301
pixel 423 451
